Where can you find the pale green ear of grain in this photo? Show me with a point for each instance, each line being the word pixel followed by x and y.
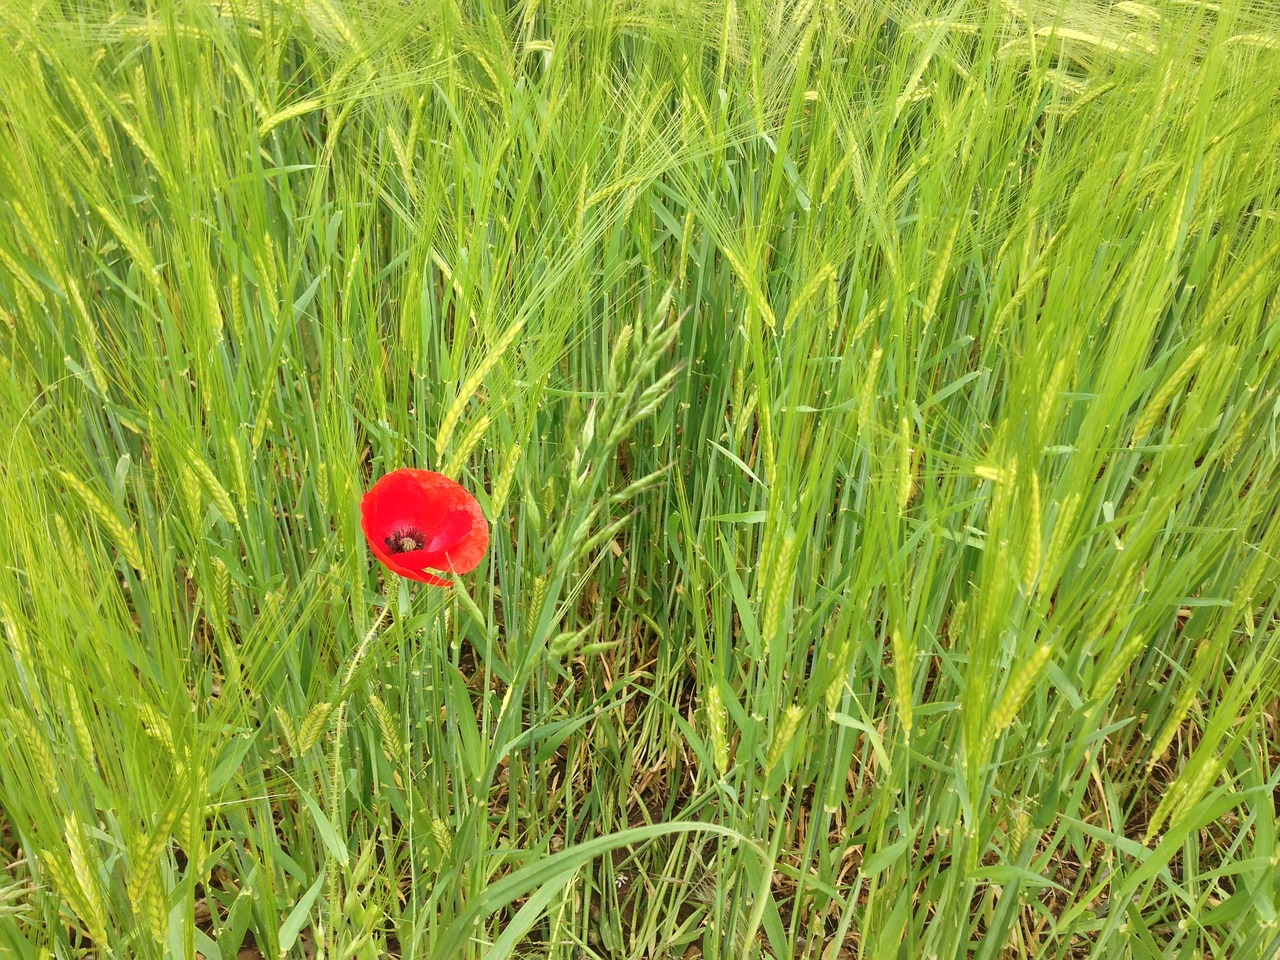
pixel 875 405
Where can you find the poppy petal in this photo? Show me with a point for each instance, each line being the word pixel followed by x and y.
pixel 393 503
pixel 412 568
pixel 432 508
pixel 458 532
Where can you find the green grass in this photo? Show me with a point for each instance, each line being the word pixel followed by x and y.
pixel 875 405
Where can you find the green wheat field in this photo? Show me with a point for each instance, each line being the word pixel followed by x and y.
pixel 874 404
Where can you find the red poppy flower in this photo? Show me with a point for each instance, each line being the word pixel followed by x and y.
pixel 414 519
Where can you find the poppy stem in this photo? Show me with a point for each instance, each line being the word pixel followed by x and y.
pixel 340 729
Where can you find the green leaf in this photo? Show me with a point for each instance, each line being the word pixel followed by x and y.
pixel 298 916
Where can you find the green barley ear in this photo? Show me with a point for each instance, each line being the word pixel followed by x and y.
pixel 1204 773
pixel 1021 831
pixel 287 727
pixel 820 283
pixel 472 384
pixel 192 493
pixel 17 636
pixel 62 877
pixel 940 274
pixel 502 486
pixel 1115 667
pixel 866 398
pixel 839 663
pixel 312 727
pixel 157 727
pixel 1022 679
pixel 474 434
pixel 549 497
pixel 86 878
pixel 1164 396
pixel 59 879
pixel 322 487
pixel 717 721
pixel 67 539
pixel 637 487
pixel 906 473
pixel 192 827
pixel 1185 792
pixel 35 233
pixel 783 735
pixel 145 885
pixel 213 308
pixel 15 271
pixel 781 580
pixel 989 473
pixel 120 534
pixel 536 601
pixel 1063 528
pixel 442 835
pixel 386 727
pixel 1102 617
pixel 240 475
pixel 618 357
pixel 1259 267
pixel 904 658
pixel 38 747
pixel 80 725
pixel 151 906
pixel 1049 401
pixel 217 492
pixel 1034 536
pixel 565 644
pixel 220 596
pixel 1206 655
pixel 744 416
pixel 237 305
pixel 262 420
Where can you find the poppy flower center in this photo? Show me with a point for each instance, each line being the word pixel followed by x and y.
pixel 402 541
